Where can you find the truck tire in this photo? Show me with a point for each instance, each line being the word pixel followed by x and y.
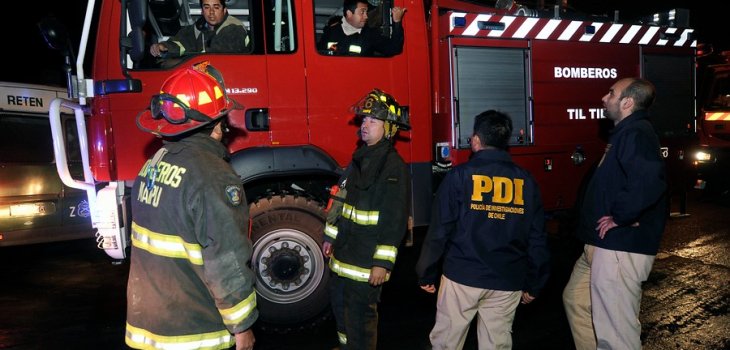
pixel 291 272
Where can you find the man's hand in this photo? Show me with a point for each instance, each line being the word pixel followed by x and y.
pixel 398 13
pixel 604 224
pixel 245 340
pixel 157 49
pixel 377 276
pixel 429 288
pixel 527 298
pixel 327 249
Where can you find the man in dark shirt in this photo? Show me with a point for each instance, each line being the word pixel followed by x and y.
pixel 487 230
pixel 621 223
pixel 351 35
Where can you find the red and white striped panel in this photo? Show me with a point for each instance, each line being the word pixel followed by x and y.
pixel 717 116
pixel 567 30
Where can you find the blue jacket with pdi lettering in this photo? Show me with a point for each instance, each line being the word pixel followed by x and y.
pixel 629 184
pixel 488 225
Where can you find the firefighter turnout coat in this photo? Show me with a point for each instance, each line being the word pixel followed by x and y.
pixel 368 42
pixel 189 284
pixel 228 36
pixel 374 215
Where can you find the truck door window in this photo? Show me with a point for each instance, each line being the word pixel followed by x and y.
pixel 280 27
pixel 25 139
pixel 721 92
pixel 167 17
pixel 73 150
pixel 328 16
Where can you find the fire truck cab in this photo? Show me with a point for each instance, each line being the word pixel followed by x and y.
pixel 547 68
pixel 712 157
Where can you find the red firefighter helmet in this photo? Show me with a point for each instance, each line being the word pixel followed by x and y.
pixel 188 100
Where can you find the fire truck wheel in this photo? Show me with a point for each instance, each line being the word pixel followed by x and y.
pixel 291 273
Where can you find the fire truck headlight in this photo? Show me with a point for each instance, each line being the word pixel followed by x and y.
pixel 703 156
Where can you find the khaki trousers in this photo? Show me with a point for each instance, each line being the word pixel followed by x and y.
pixel 603 297
pixel 456 306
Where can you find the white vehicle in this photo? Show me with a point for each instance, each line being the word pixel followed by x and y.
pixel 35 206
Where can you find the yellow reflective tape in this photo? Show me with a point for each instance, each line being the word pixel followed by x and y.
pixel 362 217
pixel 204 98
pixel 218 92
pixel 170 246
pixel 330 231
pixel 240 311
pixel 347 210
pixel 143 339
pixel 350 271
pixel 180 45
pixel 355 49
pixel 183 98
pixel 342 337
pixel 385 252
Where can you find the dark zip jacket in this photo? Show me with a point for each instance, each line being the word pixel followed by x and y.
pixel 629 184
pixel 488 226
pixel 366 43
pixel 189 283
pixel 373 219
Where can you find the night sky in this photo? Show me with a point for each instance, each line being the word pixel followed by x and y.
pixel 35 63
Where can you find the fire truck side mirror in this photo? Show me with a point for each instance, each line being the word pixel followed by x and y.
pixel 55 34
pixel 136 44
pixel 137 11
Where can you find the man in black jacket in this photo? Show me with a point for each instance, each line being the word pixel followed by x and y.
pixel 621 223
pixel 363 235
pixel 488 226
pixel 352 36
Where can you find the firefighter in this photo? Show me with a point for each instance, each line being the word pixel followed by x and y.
pixel 351 35
pixel 215 31
pixel 363 236
pixel 189 282
pixel 488 229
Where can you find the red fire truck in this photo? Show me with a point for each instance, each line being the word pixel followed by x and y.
pixel 713 155
pixel 547 68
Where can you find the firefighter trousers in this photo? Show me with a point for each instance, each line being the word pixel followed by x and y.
pixel 355 306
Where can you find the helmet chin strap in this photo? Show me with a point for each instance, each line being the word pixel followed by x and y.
pixel 226 129
pixel 390 129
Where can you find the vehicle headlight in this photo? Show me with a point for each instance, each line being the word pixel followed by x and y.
pixel 703 156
